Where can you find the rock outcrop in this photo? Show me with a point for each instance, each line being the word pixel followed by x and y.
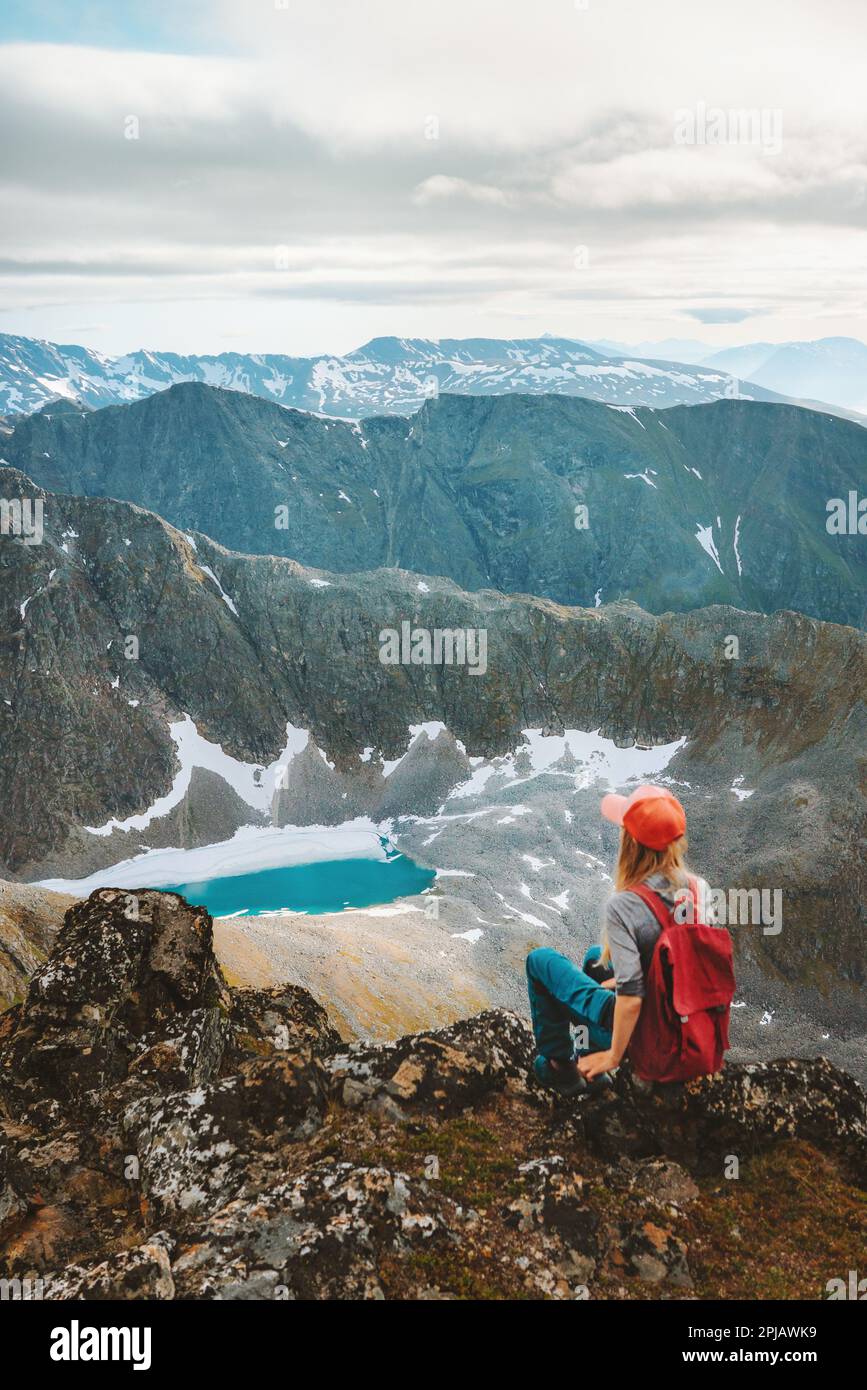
pixel 164 1136
pixel 443 1071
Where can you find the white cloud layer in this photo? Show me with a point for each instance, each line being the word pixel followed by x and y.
pixel 350 168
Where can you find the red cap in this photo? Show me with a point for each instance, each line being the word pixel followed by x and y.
pixel 652 815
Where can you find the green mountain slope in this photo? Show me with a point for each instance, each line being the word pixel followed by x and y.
pixel 718 503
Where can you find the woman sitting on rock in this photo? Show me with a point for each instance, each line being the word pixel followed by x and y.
pixel 660 987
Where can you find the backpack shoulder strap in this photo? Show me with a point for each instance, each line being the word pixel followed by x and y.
pixel 658 907
pixel 653 901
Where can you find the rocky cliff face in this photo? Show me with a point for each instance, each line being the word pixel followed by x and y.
pixel 164 1136
pixel 565 498
pixel 244 645
pixel 117 623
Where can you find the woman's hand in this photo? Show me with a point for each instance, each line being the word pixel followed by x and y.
pixel 595 1064
pixel 609 984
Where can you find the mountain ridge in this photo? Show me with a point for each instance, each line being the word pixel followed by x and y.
pixel 490 490
pixel 834 367
pixel 385 375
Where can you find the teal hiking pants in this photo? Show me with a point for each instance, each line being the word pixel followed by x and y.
pixel 562 995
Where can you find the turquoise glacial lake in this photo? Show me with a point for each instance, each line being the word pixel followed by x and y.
pixel 328 886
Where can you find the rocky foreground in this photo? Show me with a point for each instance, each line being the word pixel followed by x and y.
pixel 163 1135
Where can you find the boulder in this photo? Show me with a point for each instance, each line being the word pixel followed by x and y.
pixel 444 1070
pixel 124 967
pixel 655 1254
pixel 742 1110
pixel 194 1146
pixel 660 1182
pixel 554 1199
pixel 286 1019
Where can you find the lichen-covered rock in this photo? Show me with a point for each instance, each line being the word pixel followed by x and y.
pixel 444 1070
pixel 321 1235
pixel 741 1110
pixel 285 1019
pixel 63 1195
pixel 660 1182
pixel 764 1102
pixel 193 1146
pixel 144 1272
pixel 554 1198
pixel 189 1053
pixel 34 1163
pixel 656 1255
pixel 13 1203
pixel 147 953
pixel 125 965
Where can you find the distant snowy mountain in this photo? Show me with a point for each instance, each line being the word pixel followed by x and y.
pixel 386 376
pixel 830 369
pixel 668 350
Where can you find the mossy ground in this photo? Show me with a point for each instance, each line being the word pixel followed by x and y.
pixel 790 1222
pixel 786 1226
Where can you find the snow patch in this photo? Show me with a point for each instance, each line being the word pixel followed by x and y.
pixel 253 783
pixel 595 756
pixel 735 545
pixel 223 595
pixel 704 536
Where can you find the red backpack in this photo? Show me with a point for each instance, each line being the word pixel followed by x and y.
pixel 683 1027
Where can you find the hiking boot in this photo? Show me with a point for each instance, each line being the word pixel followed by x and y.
pixel 564 1080
pixel 603 1082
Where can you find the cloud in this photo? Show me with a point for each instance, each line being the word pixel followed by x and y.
pixel 722 315
pixel 441 186
pixel 512 75
pixel 444 156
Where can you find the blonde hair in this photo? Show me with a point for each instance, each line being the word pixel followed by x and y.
pixel 636 862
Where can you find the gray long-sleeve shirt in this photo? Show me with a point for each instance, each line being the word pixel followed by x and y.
pixel 633 932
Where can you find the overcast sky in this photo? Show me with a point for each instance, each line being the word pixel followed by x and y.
pixel 311 174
